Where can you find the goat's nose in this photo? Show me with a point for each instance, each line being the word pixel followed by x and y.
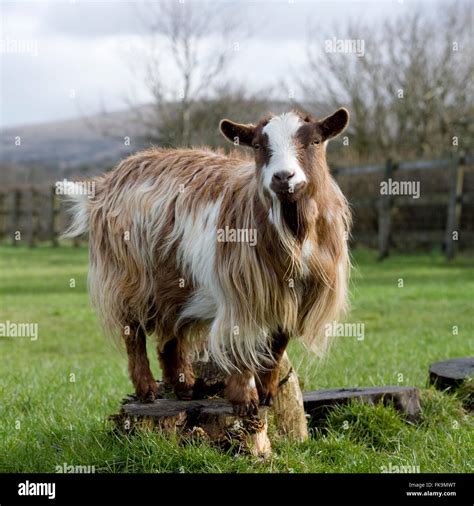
pixel 283 176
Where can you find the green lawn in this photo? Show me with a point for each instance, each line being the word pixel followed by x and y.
pixel 56 392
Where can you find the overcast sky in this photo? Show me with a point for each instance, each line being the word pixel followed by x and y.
pixel 66 59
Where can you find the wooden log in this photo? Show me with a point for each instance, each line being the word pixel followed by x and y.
pixel 289 413
pixel 406 400
pixel 451 374
pixel 211 420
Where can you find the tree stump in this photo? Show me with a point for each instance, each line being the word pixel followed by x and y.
pixel 456 375
pixel 210 420
pixel 406 400
pixel 210 417
pixel 451 374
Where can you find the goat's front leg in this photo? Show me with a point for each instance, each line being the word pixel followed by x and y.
pixel 138 364
pixel 268 379
pixel 241 391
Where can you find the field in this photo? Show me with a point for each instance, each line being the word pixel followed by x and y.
pixel 56 392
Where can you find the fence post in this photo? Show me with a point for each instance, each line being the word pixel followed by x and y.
pixel 54 221
pixel 454 208
pixel 385 215
pixel 3 215
pixel 34 217
pixel 16 213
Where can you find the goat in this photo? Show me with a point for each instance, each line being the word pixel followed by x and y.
pixel 170 255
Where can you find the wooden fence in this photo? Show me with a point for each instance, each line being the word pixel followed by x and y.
pixel 453 200
pixel 38 205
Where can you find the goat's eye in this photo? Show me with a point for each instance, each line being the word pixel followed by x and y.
pixel 256 147
pixel 316 142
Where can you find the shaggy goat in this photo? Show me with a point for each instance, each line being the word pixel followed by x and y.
pixel 170 253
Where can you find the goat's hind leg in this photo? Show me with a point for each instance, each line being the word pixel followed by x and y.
pixel 177 367
pixel 138 364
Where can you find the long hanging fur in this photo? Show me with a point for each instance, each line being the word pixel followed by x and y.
pixel 155 260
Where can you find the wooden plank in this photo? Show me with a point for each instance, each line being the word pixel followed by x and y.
pixel 451 374
pixel 425 164
pixel 428 237
pixel 363 202
pixel 433 199
pixel 454 209
pixel 362 169
pixel 406 400
pixel 418 236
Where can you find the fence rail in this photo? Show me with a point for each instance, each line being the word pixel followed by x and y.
pixel 31 203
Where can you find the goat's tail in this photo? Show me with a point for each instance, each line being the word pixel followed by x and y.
pixel 79 209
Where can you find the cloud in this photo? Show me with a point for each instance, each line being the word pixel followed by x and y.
pixel 82 49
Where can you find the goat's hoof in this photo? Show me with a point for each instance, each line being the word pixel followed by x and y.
pixel 266 400
pixel 147 393
pixel 246 408
pixel 184 391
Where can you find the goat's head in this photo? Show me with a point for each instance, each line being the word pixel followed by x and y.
pixel 290 149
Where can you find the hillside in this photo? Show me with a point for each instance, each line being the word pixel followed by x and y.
pixel 59 149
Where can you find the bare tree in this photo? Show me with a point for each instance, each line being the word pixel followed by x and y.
pixel 192 49
pixel 410 92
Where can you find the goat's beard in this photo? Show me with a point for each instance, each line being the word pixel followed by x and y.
pixel 293 195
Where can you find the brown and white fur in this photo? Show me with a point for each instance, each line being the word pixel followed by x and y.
pixel 156 266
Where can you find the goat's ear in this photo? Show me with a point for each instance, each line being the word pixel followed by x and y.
pixel 237 133
pixel 335 124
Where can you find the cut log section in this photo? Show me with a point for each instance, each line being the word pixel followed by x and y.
pixel 288 409
pixel 406 400
pixel 211 420
pixel 451 374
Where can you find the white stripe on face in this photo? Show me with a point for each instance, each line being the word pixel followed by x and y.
pixel 281 131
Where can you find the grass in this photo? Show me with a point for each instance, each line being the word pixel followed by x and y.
pixel 56 392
